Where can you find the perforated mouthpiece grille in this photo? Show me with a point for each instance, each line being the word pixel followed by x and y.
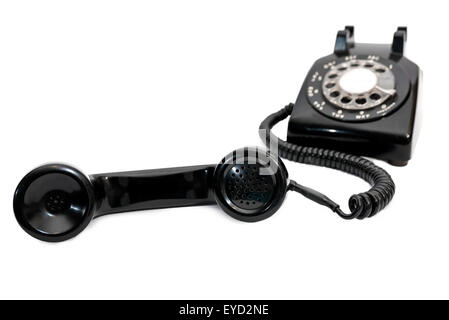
pixel 247 188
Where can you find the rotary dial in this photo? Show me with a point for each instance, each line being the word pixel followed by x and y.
pixel 358 84
pixel 356 88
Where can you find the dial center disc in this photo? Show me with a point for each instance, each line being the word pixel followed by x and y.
pixel 358 81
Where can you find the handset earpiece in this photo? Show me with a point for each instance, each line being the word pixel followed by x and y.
pixel 55 202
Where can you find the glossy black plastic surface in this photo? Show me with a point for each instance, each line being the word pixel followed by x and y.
pixel 54 202
pixel 250 184
pixel 389 137
pixel 153 189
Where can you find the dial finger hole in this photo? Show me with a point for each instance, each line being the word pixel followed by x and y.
pixel 360 101
pixel 375 96
pixel 334 94
pixel 332 76
pixel 369 65
pixel 346 100
pixel 380 70
pixel 330 85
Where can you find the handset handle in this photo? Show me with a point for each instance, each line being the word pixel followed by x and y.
pixel 152 189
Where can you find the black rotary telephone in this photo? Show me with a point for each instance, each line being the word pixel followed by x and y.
pixel 360 100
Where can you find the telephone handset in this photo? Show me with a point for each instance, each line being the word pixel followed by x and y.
pixel 362 100
pixel 55 202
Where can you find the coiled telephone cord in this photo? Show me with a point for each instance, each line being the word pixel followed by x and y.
pixel 362 205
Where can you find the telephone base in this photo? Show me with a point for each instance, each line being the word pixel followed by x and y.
pixel 332 113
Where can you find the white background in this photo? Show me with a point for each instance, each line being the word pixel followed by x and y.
pixel 124 85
